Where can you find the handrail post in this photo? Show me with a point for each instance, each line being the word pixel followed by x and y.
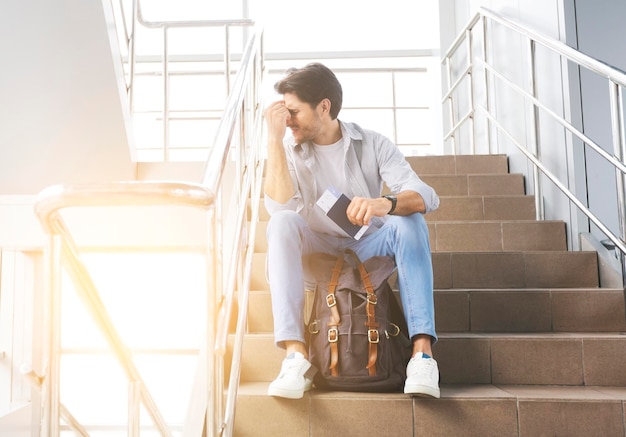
pixel 227 58
pixel 534 131
pixel 211 417
pixel 134 408
pixel 166 97
pixel 50 389
pixel 486 83
pixel 470 65
pixel 131 58
pixel 451 100
pixel 619 148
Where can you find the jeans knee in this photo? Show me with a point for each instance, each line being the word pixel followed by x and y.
pixel 411 226
pixel 283 223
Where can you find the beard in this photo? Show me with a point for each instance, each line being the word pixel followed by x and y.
pixel 308 132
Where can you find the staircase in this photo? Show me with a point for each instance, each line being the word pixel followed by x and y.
pixel 529 345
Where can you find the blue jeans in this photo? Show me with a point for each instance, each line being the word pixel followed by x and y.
pixel 404 238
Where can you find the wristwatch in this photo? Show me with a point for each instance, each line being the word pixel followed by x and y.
pixel 394 202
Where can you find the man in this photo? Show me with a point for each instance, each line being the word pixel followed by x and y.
pixel 325 152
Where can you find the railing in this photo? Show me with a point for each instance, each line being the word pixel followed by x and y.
pixel 129 23
pixel 237 141
pixel 479 74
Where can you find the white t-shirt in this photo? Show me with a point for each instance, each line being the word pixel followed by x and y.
pixel 329 172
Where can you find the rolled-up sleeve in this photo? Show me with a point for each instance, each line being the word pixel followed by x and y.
pixel 293 204
pixel 400 176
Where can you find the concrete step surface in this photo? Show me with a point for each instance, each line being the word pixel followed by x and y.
pixel 553 269
pixel 529 344
pixel 480 236
pixel 500 310
pixel 571 359
pixel 483 410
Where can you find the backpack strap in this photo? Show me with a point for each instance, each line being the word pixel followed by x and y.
pixel 335 319
pixel 372 326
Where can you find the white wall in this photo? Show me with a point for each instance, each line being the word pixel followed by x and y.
pixel 600 33
pixel 62 112
pixel 508 52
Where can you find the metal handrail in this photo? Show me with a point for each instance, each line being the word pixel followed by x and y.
pixel 551 43
pixel 219 151
pixel 165 26
pixel 555 180
pixel 616 80
pixel 61 249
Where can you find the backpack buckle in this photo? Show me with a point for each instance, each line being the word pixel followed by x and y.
pixel 333 335
pixel 372 336
pixel 331 300
pixel 371 298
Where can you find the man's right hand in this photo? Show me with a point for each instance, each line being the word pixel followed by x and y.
pixel 278 184
pixel 276 116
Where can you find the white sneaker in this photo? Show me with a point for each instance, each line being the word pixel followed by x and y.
pixel 422 376
pixel 296 377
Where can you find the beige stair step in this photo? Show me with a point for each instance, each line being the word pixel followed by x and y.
pixel 530 310
pixel 496 236
pixel 476 185
pixel 533 359
pixel 554 269
pixel 576 359
pixel 479 236
pixel 459 164
pixel 475 208
pixel 464 410
pixel 503 310
pixel 498 207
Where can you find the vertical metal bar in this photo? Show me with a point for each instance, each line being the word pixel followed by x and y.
pixel 487 84
pixel 619 148
pixel 50 388
pixel 534 131
pixel 166 96
pixel 395 107
pixel 227 58
pixel 470 65
pixel 451 107
pixel 131 57
pixel 245 13
pixel 212 419
pixel 134 408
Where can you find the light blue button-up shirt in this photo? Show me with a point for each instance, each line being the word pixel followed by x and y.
pixel 371 159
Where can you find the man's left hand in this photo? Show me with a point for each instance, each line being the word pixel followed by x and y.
pixel 362 209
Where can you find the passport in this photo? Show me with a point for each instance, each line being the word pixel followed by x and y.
pixel 335 204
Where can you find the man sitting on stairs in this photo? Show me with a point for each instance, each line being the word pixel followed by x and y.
pixel 325 152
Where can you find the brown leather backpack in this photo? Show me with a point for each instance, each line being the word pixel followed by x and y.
pixel 357 332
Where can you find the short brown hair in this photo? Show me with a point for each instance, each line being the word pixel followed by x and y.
pixel 312 84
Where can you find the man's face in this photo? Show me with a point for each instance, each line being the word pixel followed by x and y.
pixel 305 122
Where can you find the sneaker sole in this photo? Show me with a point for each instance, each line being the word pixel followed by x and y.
pixel 422 391
pixel 286 393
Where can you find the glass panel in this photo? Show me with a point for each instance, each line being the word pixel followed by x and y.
pixel 197 92
pixel 148 93
pixel 379 120
pixel 192 133
pixel 415 126
pixel 148 131
pixel 366 89
pixel 414 89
